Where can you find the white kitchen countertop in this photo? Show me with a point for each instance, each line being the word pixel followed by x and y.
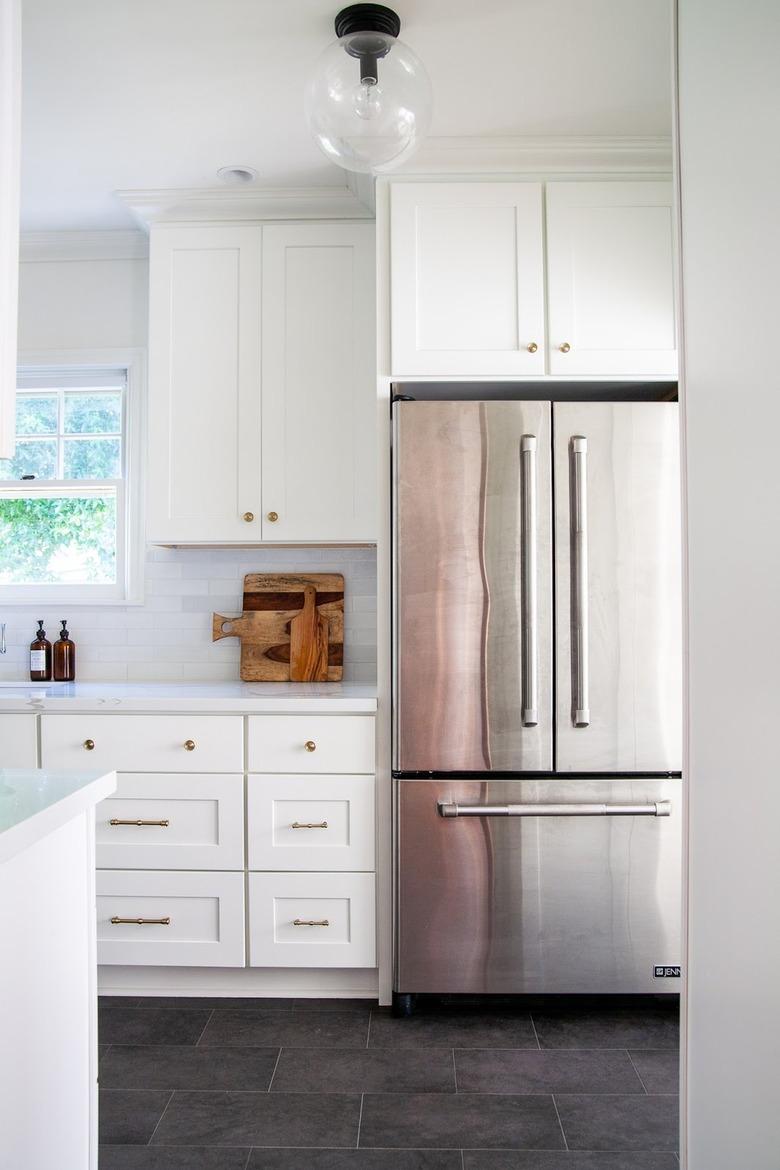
pixel 215 697
pixel 35 801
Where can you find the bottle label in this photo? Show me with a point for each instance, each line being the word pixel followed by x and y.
pixel 37 660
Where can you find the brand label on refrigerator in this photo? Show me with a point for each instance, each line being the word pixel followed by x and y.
pixel 667 972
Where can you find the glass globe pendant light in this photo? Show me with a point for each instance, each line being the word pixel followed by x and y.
pixel 369 100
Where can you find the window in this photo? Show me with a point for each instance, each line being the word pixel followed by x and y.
pixel 65 523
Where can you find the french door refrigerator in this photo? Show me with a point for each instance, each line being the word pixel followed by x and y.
pixel 537 696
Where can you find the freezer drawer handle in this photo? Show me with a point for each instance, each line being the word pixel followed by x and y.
pixel 658 808
pixel 579 582
pixel 528 578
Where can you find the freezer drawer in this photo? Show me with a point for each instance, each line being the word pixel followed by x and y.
pixel 618 587
pixel 472 587
pixel 581 901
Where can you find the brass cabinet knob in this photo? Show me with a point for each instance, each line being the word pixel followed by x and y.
pixel 310 745
pixel 249 517
pixel 273 517
pixel 565 347
pixel 532 348
pixel 89 744
pixel 189 745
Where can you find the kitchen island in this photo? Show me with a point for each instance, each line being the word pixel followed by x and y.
pixel 48 979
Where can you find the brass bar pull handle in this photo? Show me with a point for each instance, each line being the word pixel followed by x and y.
pixel 530 714
pixel 139 823
pixel 140 921
pixel 310 922
pixel 309 825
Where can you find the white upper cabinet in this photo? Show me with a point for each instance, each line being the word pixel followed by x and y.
pixel 204 384
pixel 467 279
pixel 610 279
pixel 319 382
pixel 262 391
pixel 10 116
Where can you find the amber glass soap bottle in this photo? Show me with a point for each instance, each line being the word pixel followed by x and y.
pixel 64 657
pixel 40 656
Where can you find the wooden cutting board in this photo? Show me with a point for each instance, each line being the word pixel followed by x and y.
pixel 292 627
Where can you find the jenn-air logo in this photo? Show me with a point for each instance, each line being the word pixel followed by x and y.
pixel 666 972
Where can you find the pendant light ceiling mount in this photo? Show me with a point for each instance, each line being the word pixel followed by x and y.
pixel 369 102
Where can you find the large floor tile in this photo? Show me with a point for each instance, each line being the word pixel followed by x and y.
pixel 660 1071
pixel 452 1030
pixel 580 1071
pixel 334 1005
pixel 355 1160
pixel 130 1116
pixel 287 1029
pixel 269 1003
pixel 259 1119
pixel 151 1025
pixel 188 1067
pixel 440 1121
pixel 366 1070
pixel 645 1026
pixel 171 1158
pixel 571 1160
pixel 619 1123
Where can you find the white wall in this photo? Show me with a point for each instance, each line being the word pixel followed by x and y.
pixel 83 304
pixel 102 304
pixel 729 98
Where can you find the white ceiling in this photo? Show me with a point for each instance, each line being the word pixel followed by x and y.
pixel 161 93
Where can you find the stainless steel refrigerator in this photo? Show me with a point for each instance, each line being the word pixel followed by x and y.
pixel 537 696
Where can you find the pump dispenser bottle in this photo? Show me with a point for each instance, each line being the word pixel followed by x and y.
pixel 64 657
pixel 40 656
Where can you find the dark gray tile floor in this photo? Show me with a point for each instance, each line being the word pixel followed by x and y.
pixel 214 1084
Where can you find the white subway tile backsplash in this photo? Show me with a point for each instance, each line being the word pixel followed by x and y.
pixel 169 636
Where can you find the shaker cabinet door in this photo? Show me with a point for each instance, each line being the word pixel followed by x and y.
pixel 467 279
pixel 319 383
pixel 610 280
pixel 204 384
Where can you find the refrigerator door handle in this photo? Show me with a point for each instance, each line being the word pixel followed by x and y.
pixel 529 701
pixel 579 582
pixel 658 808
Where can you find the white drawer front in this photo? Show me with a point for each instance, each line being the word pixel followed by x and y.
pixel 197 822
pixel 18 741
pixel 281 905
pixel 311 822
pixel 205 913
pixel 143 743
pixel 311 743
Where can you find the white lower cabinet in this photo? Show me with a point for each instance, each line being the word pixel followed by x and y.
pixel 18 741
pixel 311 920
pixel 159 918
pixel 159 821
pixel 311 822
pixel 311 743
pixel 143 743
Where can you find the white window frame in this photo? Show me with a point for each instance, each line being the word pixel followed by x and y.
pixel 129 587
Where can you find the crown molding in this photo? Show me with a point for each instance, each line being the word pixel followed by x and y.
pixel 202 204
pixel 541 155
pixel 106 245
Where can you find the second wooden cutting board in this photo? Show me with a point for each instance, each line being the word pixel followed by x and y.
pixel 292 627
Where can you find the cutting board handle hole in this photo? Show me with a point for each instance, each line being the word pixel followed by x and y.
pixel 227 627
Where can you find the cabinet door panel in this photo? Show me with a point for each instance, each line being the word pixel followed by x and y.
pixel 610 274
pixel 319 393
pixel 467 278
pixel 18 741
pixel 204 384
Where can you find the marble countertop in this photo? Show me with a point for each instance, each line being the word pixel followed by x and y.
pixel 35 801
pixel 238 697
